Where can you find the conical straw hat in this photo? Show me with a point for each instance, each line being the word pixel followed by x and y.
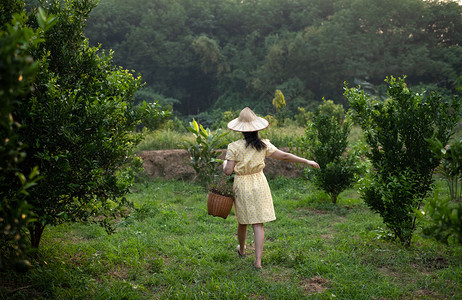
pixel 248 121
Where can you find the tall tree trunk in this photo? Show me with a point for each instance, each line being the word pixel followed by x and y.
pixel 36 231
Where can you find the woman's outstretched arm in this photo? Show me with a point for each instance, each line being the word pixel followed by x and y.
pixel 281 155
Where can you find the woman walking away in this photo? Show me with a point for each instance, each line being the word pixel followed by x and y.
pixel 246 157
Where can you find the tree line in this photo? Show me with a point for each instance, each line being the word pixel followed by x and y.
pixel 205 55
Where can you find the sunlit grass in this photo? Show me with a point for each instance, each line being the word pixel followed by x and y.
pixel 171 249
pixel 163 139
pixel 167 139
pixel 279 136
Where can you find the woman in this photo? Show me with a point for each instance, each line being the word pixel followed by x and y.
pixel 246 157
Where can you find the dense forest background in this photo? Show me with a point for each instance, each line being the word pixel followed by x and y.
pixel 204 56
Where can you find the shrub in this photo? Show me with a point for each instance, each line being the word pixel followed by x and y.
pixel 303 117
pixel 77 124
pixel 397 131
pixel 204 151
pixel 451 165
pixel 446 215
pixel 326 140
pixel 152 115
pixel 17 69
pixel 279 103
pixel 445 218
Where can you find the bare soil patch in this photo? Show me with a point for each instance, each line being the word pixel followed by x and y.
pixel 314 285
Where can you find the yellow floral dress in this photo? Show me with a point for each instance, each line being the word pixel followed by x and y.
pixel 253 202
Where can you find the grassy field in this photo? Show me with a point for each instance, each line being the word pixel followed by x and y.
pixel 168 139
pixel 280 137
pixel 171 249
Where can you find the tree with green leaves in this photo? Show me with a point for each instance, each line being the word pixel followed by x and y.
pixel 18 71
pixel 279 103
pixel 214 54
pixel 78 126
pixel 397 131
pixel 326 141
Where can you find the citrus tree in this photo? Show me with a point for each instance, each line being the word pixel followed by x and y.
pixel 326 141
pixel 18 70
pixel 77 126
pixel 397 131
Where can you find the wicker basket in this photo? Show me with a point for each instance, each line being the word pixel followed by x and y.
pixel 218 205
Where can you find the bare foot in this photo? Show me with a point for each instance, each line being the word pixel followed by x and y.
pixel 239 252
pixel 257 265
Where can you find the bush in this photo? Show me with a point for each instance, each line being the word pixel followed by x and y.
pixel 326 140
pixel 152 115
pixel 18 70
pixel 451 165
pixel 397 131
pixel 78 125
pixel 446 215
pixel 446 220
pixel 204 151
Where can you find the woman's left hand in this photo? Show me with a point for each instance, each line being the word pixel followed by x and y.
pixel 313 164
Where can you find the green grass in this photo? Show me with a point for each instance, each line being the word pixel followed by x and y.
pixel 163 139
pixel 280 137
pixel 171 249
pixel 168 139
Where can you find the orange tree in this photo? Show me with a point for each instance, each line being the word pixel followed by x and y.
pixel 326 141
pixel 18 70
pixel 78 126
pixel 397 131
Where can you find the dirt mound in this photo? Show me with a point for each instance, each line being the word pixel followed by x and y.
pixel 174 164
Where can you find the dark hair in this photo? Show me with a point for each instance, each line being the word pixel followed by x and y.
pixel 252 139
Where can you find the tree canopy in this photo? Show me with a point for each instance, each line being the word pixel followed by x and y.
pixel 69 114
pixel 206 54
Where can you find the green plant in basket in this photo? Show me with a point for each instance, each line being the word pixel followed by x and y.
pixel 221 196
pixel 222 185
pixel 204 151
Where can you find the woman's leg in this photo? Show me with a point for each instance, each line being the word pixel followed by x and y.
pixel 241 236
pixel 259 236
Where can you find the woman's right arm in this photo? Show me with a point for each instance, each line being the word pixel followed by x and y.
pixel 285 156
pixel 228 167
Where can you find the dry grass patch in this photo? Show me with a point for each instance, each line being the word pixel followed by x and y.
pixel 328 236
pixel 426 294
pixel 121 272
pixel 314 285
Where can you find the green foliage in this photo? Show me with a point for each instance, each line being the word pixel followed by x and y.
pixel 445 220
pixel 446 215
pixel 279 103
pixel 18 71
pixel 8 8
pixel 222 185
pixel 224 119
pixel 211 54
pixel 326 140
pixel 77 124
pixel 152 115
pixel 451 165
pixel 204 151
pixel 162 139
pixel 303 117
pixel 397 131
